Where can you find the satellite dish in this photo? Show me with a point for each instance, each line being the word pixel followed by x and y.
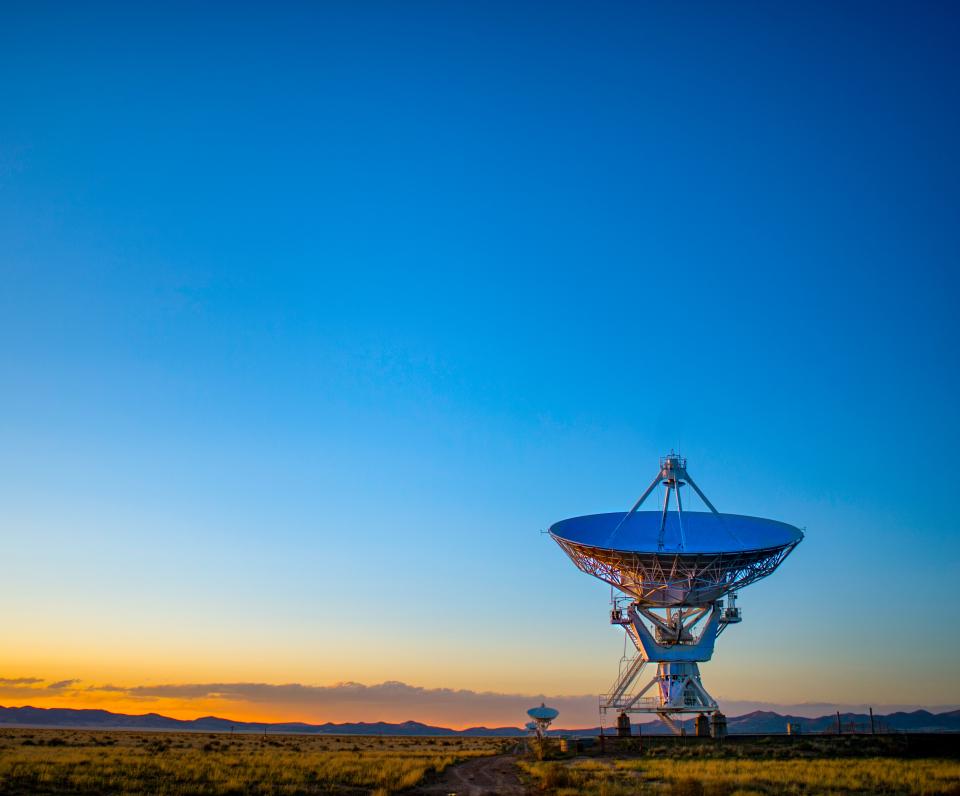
pixel 543 713
pixel 675 558
pixel 673 568
pixel 542 716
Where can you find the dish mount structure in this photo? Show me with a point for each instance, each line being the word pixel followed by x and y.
pixel 673 569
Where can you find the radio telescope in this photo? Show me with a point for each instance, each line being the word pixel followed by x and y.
pixel 542 716
pixel 673 569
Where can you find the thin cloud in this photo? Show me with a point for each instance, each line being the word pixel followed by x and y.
pixel 390 691
pixel 29 687
pixel 60 685
pixel 349 701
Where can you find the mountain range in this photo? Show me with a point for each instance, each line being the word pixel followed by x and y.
pixel 760 722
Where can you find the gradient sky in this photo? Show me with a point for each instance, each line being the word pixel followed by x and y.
pixel 313 316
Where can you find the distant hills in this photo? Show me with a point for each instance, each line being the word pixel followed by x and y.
pixel 105 720
pixel 760 722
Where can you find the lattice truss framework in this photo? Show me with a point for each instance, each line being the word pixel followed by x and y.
pixel 661 579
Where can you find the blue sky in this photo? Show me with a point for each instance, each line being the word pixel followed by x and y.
pixel 312 316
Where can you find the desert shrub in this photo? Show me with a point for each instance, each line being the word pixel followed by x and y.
pixel 687 786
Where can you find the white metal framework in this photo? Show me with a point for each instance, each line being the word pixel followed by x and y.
pixel 675 579
pixel 673 610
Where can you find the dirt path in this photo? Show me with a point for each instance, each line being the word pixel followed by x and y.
pixel 481 776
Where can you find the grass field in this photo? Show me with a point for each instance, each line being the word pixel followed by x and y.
pixel 183 764
pixel 726 777
pixel 92 762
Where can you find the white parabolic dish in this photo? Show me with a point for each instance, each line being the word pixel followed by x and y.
pixel 543 713
pixel 703 556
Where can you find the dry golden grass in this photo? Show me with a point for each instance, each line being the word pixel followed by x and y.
pixel 685 777
pixel 178 764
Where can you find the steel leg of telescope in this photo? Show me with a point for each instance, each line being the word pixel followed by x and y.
pixel 639 695
pixel 663 518
pixel 703 497
pixel 683 538
pixel 645 495
pixel 636 505
pixel 707 699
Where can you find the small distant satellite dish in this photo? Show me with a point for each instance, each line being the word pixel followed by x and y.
pixel 542 716
pixel 543 713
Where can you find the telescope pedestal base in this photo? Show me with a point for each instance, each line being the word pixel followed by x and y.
pixel 679 689
pixel 674 690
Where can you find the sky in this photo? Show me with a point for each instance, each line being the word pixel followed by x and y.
pixel 314 316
